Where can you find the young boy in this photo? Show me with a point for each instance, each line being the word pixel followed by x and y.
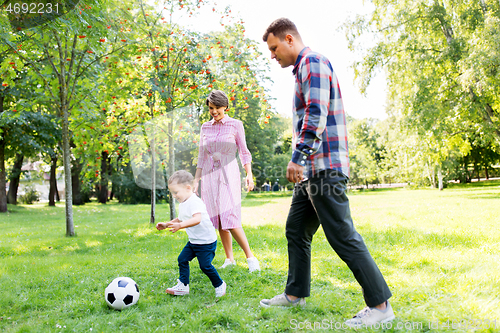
pixel 193 217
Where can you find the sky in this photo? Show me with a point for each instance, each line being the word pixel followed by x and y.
pixel 318 23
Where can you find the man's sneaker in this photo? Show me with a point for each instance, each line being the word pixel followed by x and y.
pixel 221 290
pixel 370 316
pixel 228 262
pixel 282 300
pixel 253 264
pixel 179 289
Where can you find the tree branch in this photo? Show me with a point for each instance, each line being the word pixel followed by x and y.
pixel 47 85
pixel 487 114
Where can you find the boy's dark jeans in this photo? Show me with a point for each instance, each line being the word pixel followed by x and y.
pixel 205 254
pixel 322 200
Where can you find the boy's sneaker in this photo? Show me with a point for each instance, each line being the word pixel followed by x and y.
pixel 228 262
pixel 179 289
pixel 370 316
pixel 221 290
pixel 282 300
pixel 253 264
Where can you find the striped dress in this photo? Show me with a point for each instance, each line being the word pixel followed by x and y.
pixel 221 181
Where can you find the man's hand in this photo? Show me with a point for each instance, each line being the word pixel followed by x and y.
pixel 294 172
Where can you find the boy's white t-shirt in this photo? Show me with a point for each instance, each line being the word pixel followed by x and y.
pixel 203 232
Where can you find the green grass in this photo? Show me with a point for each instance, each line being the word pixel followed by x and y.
pixel 437 250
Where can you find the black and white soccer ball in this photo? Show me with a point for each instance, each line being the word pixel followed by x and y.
pixel 122 293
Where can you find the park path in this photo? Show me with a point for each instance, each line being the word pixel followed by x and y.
pixel 273 211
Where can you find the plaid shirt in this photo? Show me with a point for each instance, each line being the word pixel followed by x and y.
pixel 319 122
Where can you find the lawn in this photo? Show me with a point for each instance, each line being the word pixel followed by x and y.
pixel 437 250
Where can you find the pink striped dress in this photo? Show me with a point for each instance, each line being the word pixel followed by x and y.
pixel 221 181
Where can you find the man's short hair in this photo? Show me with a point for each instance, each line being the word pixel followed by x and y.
pixel 280 28
pixel 217 98
pixel 181 177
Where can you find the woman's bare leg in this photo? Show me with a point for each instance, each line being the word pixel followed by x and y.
pixel 241 239
pixel 227 242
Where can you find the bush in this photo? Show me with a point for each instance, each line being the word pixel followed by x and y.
pixel 30 196
pixel 126 190
pixel 87 191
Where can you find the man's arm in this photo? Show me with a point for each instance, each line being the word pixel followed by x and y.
pixel 315 80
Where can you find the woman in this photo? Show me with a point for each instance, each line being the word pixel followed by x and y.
pixel 218 170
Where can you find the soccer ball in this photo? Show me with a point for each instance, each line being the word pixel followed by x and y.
pixel 122 293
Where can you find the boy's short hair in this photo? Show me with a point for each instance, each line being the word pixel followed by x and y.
pixel 217 98
pixel 280 28
pixel 181 177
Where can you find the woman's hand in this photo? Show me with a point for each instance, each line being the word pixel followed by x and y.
pixel 249 182
pixel 196 185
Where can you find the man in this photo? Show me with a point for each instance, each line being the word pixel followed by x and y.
pixel 320 169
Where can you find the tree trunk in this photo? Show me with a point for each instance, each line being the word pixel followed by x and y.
pixel 3 184
pixel 14 179
pixel 440 178
pixel 115 189
pixel 68 176
pixel 430 174
pixel 153 179
pixel 103 192
pixel 63 111
pixel 486 171
pixel 113 185
pixel 76 184
pixel 110 178
pixel 3 195
pixel 466 169
pixel 53 180
pixel 70 228
pixel 58 199
pixel 171 162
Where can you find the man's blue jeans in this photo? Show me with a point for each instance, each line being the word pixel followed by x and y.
pixel 205 254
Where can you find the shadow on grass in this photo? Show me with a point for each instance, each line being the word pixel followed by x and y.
pixel 16 208
pixel 375 190
pixel 487 196
pixel 270 194
pixel 255 200
pixel 483 183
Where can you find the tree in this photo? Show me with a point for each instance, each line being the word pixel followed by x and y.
pixel 25 129
pixel 439 57
pixel 178 75
pixel 63 55
pixel 364 152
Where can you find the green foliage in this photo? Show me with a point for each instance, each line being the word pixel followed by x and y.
pixel 442 68
pixel 30 196
pixel 126 190
pixel 116 66
pixel 386 152
pixel 29 132
pixel 365 154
